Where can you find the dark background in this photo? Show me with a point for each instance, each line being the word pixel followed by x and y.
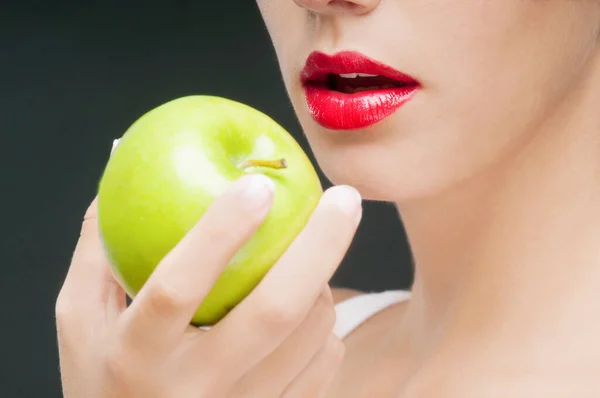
pixel 72 78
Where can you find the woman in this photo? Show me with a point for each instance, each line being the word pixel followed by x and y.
pixel 482 125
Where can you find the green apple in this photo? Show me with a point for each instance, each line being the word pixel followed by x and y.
pixel 168 168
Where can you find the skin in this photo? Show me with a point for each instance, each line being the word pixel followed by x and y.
pixel 276 343
pixel 494 167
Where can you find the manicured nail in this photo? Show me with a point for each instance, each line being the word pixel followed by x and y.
pixel 347 199
pixel 257 191
pixel 114 145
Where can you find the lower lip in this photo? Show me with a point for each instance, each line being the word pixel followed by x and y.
pixel 341 111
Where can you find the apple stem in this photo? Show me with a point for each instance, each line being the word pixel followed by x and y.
pixel 272 164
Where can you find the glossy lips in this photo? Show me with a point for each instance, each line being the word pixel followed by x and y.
pixel 365 93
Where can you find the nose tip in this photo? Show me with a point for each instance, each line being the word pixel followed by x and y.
pixel 358 7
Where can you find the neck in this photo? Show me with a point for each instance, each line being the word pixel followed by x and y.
pixel 521 238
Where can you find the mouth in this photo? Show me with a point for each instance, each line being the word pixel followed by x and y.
pixel 351 83
pixel 350 91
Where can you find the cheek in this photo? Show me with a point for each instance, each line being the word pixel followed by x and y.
pixel 286 24
pixel 497 71
pixel 506 57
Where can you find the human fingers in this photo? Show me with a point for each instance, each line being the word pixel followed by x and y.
pixel 162 310
pixel 316 378
pixel 89 288
pixel 284 364
pixel 275 308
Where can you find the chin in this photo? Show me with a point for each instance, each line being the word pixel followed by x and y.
pixel 382 172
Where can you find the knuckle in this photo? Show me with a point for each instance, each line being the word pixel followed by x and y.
pixel 63 311
pixel 276 314
pixel 164 299
pixel 60 309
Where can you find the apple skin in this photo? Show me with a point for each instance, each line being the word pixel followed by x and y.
pixel 169 167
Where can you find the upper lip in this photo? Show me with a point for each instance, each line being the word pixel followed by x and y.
pixel 319 65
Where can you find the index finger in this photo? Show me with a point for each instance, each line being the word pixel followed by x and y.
pixel 166 303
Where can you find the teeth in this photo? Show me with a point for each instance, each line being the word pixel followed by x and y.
pixel 355 75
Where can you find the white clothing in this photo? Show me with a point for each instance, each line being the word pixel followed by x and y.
pixel 351 313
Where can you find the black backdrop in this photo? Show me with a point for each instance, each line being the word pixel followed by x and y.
pixel 72 78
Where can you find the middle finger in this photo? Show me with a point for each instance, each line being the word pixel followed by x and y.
pixel 273 310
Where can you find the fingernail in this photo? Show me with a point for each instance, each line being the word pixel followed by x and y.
pixel 348 200
pixel 257 191
pixel 114 145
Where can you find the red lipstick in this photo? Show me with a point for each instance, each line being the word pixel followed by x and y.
pixel 349 91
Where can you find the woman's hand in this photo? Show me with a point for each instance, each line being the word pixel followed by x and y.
pixel 278 342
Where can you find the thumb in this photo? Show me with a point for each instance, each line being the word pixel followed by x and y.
pixel 90 287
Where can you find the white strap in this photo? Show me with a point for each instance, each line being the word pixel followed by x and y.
pixel 353 312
